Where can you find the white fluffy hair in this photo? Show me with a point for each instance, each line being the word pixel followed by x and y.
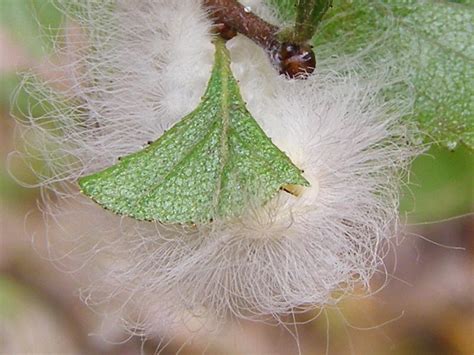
pixel 135 69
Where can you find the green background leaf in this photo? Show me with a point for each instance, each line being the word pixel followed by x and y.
pixel 440 185
pixel 210 164
pixel 430 41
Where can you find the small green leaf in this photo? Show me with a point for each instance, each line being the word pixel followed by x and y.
pixel 208 165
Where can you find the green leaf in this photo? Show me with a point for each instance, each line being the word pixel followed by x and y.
pixel 429 41
pixel 212 163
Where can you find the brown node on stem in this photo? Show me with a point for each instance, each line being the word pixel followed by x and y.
pixel 295 60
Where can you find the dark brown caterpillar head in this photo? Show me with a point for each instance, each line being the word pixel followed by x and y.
pixel 295 60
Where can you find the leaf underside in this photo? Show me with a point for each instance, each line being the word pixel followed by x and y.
pixel 211 164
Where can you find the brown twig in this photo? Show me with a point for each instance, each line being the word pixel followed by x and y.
pixel 243 20
pixel 296 60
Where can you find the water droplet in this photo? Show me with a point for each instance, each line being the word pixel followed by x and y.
pixel 247 9
pixel 452 145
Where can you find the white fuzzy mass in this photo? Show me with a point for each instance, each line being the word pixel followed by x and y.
pixel 137 68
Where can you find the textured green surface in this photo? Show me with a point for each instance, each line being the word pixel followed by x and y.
pixel 212 163
pixel 432 42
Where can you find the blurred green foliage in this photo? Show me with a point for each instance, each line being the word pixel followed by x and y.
pixel 441 181
pixel 33 23
pixel 11 298
pixel 440 186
